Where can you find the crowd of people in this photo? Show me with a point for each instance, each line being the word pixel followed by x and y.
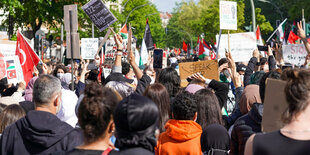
pixel 146 111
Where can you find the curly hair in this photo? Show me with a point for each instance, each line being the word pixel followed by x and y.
pixel 171 80
pixel 159 94
pixel 297 93
pixel 209 111
pixel 95 111
pixel 184 106
pixel 59 66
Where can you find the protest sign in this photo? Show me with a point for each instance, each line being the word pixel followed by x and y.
pixel 228 15
pixel 209 69
pixel 14 72
pixel 274 105
pixel 89 47
pixel 7 49
pixel 294 54
pixel 99 14
pixel 242 45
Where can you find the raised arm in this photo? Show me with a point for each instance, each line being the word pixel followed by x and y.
pixel 301 33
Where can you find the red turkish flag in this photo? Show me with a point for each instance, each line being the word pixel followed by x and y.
pixel 28 58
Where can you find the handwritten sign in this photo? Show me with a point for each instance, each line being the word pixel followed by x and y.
pixel 99 14
pixel 89 47
pixel 294 54
pixel 242 45
pixel 228 15
pixel 208 69
pixel 14 72
pixel 274 105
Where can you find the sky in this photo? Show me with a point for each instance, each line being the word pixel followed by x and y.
pixel 166 5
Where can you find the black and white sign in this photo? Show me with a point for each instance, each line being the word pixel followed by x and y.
pixel 99 14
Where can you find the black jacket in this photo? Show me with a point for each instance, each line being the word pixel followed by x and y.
pixel 134 151
pixel 250 69
pixel 221 91
pixel 244 127
pixel 39 132
pixel 142 84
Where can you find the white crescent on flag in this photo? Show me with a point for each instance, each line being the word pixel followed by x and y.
pixel 24 56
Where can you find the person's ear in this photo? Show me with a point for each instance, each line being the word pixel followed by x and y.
pixel 195 117
pixel 111 127
pixel 57 100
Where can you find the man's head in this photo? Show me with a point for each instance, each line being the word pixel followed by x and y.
pixel 47 93
pixel 184 106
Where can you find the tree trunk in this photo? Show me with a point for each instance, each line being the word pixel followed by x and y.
pixel 11 27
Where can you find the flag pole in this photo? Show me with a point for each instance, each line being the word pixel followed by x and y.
pixel 275 30
pixel 228 42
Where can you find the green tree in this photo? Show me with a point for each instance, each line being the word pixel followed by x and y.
pixel 138 18
pixel 265 26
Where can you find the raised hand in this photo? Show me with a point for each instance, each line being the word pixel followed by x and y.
pixel 300 32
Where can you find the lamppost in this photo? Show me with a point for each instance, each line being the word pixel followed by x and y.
pixel 134 10
pixel 278 9
pixel 253 16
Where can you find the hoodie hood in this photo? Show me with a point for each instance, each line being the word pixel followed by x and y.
pixel 183 130
pixel 42 128
pixel 256 113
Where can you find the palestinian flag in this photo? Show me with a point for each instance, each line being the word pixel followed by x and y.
pixel 147 44
pixel 292 38
pixel 204 49
pixel 124 32
pixel 184 46
pixel 281 30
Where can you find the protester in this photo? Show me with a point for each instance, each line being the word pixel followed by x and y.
pixel 159 94
pixel 59 71
pixel 136 122
pixel 40 131
pixel 250 123
pixel 171 80
pixel 13 95
pixel 294 137
pixel 10 115
pixel 29 88
pixel 249 97
pixel 97 125
pixel 182 135
pixel 209 111
pixel 215 140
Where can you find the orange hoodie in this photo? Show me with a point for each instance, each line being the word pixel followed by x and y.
pixel 180 137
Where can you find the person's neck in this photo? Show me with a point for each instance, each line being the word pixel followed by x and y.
pixel 45 109
pixel 100 144
pixel 299 127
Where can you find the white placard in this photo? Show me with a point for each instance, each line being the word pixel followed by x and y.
pixel 294 54
pixel 242 45
pixel 8 50
pixel 89 47
pixel 14 72
pixel 228 15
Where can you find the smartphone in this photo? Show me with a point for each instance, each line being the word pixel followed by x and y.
pixel 158 58
pixel 262 48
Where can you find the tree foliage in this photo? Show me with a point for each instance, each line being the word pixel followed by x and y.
pixel 197 18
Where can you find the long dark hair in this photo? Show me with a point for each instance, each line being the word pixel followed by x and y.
pixel 209 111
pixel 171 80
pixel 159 94
pixel 10 115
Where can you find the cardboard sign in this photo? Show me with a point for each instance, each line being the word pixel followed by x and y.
pixel 209 69
pixel 294 54
pixel 89 47
pixel 228 15
pixel 99 14
pixel 242 46
pixel 274 105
